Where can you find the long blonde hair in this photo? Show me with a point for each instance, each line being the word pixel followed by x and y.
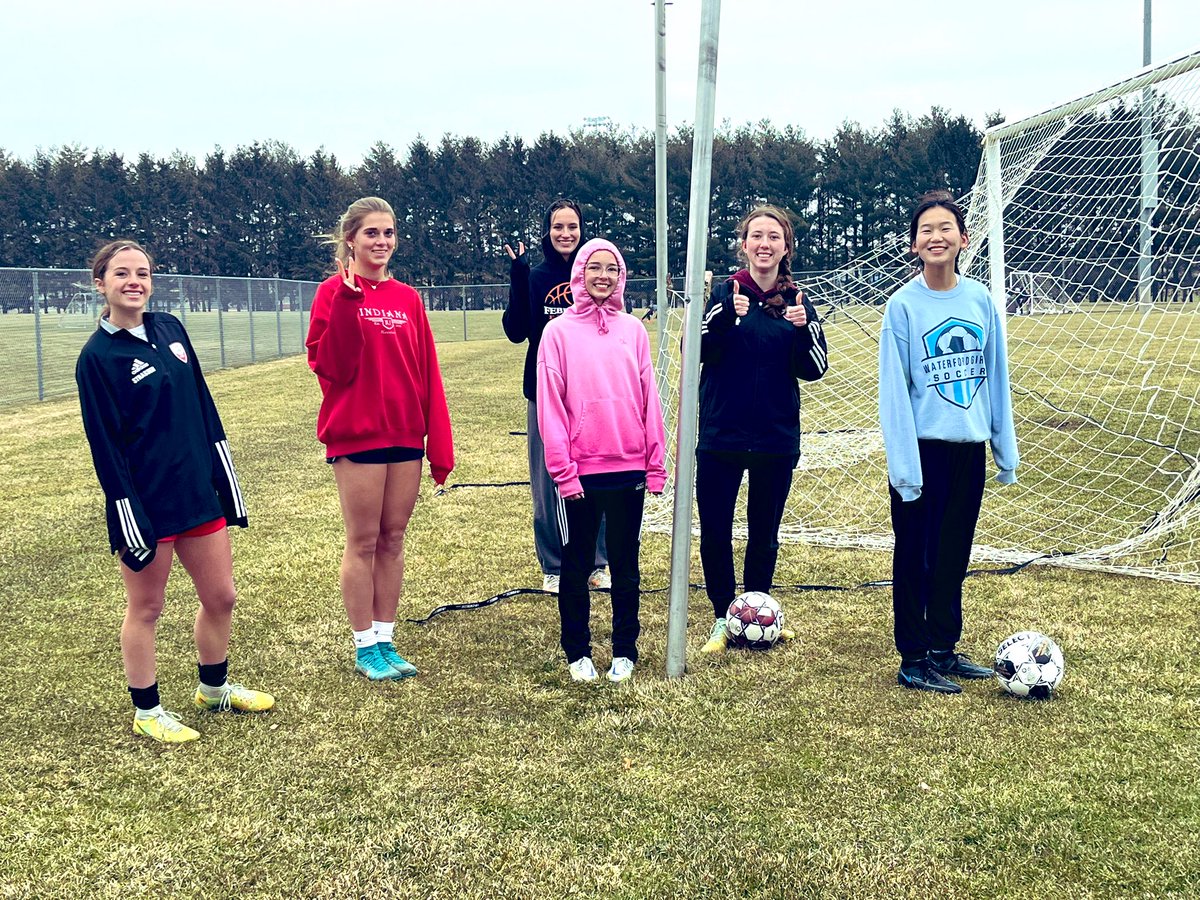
pixel 351 220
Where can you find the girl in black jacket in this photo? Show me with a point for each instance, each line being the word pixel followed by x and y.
pixel 535 296
pixel 169 484
pixel 760 334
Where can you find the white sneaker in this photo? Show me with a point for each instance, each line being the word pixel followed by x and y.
pixel 600 579
pixel 622 668
pixel 550 583
pixel 583 670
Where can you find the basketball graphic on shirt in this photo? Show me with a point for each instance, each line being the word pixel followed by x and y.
pixel 558 300
pixel 953 363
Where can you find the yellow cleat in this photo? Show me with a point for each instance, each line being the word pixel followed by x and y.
pixel 786 634
pixel 164 726
pixel 235 697
pixel 718 638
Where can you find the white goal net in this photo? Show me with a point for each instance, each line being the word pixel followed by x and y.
pixel 1092 208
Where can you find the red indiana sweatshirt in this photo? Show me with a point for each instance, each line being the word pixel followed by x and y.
pixel 374 356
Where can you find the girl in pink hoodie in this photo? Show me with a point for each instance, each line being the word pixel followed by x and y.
pixel 601 423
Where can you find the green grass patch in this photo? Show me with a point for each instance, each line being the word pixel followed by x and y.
pixel 802 772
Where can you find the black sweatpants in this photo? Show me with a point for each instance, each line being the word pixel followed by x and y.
pixel 718 480
pixel 621 509
pixel 933 547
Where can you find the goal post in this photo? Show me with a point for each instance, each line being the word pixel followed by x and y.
pixel 1106 399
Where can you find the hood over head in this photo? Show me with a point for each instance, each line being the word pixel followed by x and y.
pixel 548 251
pixel 584 304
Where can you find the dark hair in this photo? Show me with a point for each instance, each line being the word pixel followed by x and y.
pixel 928 201
pixel 562 203
pixel 351 220
pixel 789 240
pixel 104 256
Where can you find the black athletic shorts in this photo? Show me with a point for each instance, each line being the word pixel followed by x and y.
pixel 381 456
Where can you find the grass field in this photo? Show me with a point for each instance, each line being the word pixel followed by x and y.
pixel 802 772
pixel 229 340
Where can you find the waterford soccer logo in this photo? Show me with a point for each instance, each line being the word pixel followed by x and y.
pixel 953 361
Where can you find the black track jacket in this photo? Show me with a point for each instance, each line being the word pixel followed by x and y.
pixel 156 439
pixel 749 395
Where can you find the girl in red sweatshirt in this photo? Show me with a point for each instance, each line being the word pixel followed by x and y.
pixel 383 410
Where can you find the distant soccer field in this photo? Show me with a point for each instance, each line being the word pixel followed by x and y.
pixel 801 772
pixel 222 340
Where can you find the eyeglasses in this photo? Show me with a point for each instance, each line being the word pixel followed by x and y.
pixel 596 269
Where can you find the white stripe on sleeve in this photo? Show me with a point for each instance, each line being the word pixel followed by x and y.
pixel 239 504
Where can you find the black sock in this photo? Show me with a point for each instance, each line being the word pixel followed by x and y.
pixel 214 675
pixel 144 698
pixel 911 663
pixel 941 655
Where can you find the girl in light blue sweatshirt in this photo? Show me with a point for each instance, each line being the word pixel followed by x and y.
pixel 943 396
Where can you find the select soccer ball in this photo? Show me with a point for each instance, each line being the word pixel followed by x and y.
pixel 1029 664
pixel 754 621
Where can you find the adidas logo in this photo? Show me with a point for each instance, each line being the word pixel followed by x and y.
pixel 140 370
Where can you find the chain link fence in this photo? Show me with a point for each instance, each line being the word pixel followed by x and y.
pixel 46 316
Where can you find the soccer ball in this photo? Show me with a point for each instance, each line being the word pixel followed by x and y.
pixel 754 621
pixel 1029 664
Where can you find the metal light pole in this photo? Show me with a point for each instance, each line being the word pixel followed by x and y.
pixel 1149 202
pixel 660 184
pixel 685 443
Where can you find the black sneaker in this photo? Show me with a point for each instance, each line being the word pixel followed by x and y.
pixel 956 665
pixel 921 676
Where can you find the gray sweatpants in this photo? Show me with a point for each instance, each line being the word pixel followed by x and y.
pixel 546 537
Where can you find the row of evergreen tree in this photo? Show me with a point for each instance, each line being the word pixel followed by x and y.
pixel 260 209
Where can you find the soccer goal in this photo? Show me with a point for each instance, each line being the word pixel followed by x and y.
pixel 1092 207
pixel 1039 293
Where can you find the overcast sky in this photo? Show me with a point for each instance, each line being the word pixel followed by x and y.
pixel 159 76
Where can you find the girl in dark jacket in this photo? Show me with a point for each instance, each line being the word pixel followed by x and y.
pixel 760 335
pixel 535 297
pixel 169 485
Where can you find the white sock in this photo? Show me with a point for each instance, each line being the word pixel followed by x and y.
pixel 384 631
pixel 364 639
pixel 212 693
pixel 148 713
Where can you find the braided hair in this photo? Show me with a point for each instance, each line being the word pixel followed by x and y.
pixel 784 281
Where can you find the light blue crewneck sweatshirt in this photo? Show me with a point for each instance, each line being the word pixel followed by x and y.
pixel 943 375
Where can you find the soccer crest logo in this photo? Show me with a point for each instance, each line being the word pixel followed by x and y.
pixel 953 361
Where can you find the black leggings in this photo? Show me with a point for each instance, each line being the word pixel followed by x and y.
pixel 621 509
pixel 718 480
pixel 933 547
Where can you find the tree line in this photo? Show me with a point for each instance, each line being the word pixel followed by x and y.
pixel 259 210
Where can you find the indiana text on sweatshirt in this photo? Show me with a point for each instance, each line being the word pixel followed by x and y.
pixel 943 375
pixel 597 403
pixel 374 356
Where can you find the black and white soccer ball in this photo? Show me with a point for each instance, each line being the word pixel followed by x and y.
pixel 1029 664
pixel 754 621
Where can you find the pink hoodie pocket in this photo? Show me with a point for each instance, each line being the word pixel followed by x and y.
pixel 608 427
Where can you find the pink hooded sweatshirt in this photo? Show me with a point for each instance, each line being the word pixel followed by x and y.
pixel 597 403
